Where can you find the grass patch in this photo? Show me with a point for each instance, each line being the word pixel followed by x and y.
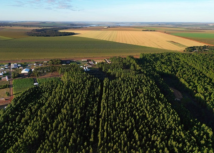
pixel 67 47
pixel 4 82
pixel 47 80
pixel 3 92
pixel 21 85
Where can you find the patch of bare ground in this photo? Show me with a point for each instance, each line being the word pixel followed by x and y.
pixel 177 93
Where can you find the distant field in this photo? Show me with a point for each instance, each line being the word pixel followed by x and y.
pixel 20 85
pixel 67 47
pixel 141 38
pixel 196 35
pixel 203 37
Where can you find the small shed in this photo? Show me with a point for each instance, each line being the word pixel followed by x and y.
pixel 36 84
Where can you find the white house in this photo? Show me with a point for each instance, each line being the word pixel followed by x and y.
pixel 1 74
pixel 25 71
pixel 14 66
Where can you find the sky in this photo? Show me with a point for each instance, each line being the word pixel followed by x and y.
pixel 108 10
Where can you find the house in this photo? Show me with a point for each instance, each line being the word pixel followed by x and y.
pixel 5 78
pixel 1 74
pixel 91 62
pixel 84 60
pixel 14 66
pixel 25 71
pixel 19 65
pixel 36 84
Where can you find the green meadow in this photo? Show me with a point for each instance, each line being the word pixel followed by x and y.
pixel 66 47
pixel 20 85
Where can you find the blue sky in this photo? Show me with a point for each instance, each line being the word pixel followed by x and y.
pixel 108 10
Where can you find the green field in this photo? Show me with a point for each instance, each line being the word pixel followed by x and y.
pixel 67 47
pixel 47 80
pixel 203 37
pixel 20 85
pixel 196 35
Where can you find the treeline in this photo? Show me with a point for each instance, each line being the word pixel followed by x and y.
pixel 52 68
pixel 199 49
pixel 148 30
pixel 80 113
pixel 51 32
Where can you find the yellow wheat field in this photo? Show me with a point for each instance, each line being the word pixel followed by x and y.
pixel 141 38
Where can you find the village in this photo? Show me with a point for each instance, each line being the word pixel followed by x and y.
pixel 11 72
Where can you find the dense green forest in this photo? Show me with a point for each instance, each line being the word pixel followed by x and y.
pixel 199 49
pixel 132 109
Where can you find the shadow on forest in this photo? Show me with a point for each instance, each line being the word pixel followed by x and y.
pixel 97 73
pixel 195 108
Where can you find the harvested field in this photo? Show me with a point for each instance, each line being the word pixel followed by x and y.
pixel 140 38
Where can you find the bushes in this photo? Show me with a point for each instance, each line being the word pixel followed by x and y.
pixel 4 86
